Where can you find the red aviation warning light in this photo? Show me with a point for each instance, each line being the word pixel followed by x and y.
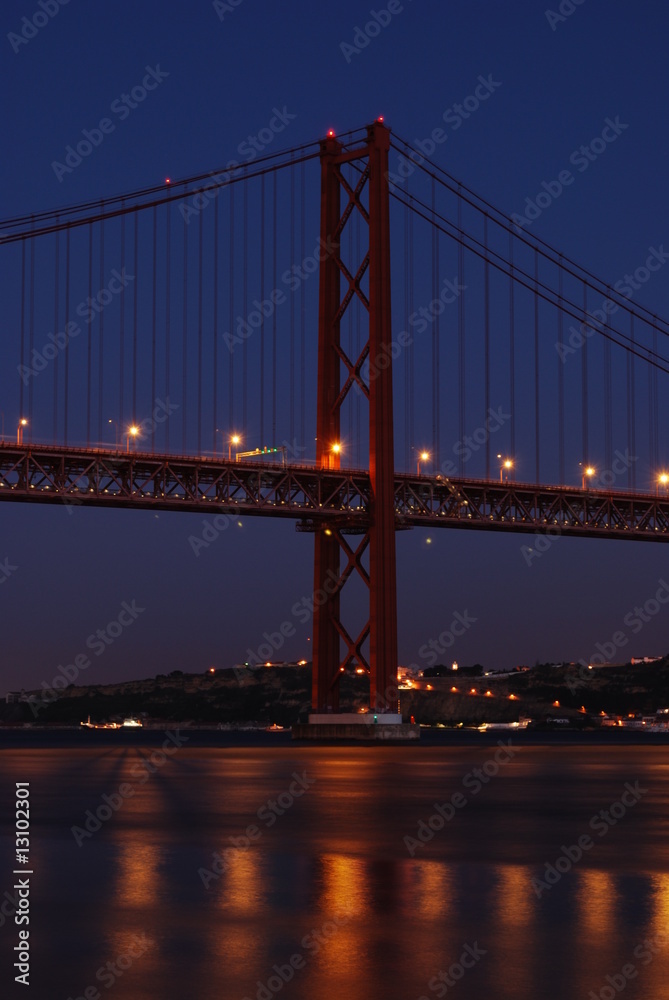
pixel 380 118
pixel 331 133
pixel 168 180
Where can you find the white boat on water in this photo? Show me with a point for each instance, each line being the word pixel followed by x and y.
pixel 130 723
pixel 489 726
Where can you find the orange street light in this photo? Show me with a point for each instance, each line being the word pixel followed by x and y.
pixel 133 431
pixel 334 456
pixel 505 469
pixel 19 430
pixel 588 472
pixel 235 439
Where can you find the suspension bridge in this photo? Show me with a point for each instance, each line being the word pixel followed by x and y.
pixel 313 335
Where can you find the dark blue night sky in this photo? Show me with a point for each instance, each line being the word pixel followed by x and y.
pixel 222 72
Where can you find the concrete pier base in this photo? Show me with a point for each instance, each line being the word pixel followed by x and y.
pixel 355 726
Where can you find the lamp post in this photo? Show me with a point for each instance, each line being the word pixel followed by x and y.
pixel 19 430
pixel 235 439
pixel 423 456
pixel 505 469
pixel 662 480
pixel 588 473
pixel 132 433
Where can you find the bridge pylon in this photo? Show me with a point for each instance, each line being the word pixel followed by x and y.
pixel 329 631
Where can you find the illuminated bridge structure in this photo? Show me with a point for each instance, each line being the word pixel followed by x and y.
pixel 474 377
pixel 338 499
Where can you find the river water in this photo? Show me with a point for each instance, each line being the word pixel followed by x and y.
pixel 342 879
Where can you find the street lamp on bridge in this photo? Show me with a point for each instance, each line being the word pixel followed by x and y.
pixel 588 472
pixel 505 469
pixel 422 457
pixel 19 430
pixel 133 431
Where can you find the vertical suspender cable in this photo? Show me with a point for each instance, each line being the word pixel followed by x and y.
pixel 231 283
pixel 406 327
pixel 134 327
pixel 408 444
pixel 184 348
pixel 199 338
pixel 56 321
pixel 651 447
pixel 536 365
pixel 31 326
pixel 631 418
pixel 584 378
pixel 101 332
pixel 66 387
pixel 512 351
pixel 486 323
pixel 608 406
pixel 121 355
pixel 560 376
pixel 302 314
pixel 89 340
pixel 435 336
pixel 656 420
pixel 246 309
pixel 358 339
pixel 461 332
pixel 154 288
pixel 217 210
pixel 352 353
pixel 411 350
pixel 262 314
pixel 274 279
pixel 408 403
pixel 168 295
pixel 22 357
pixel 292 306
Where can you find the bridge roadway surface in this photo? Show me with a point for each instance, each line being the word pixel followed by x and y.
pixel 319 497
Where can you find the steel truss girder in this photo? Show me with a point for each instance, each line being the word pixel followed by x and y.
pixel 337 499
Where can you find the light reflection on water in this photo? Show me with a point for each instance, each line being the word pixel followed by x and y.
pixel 331 884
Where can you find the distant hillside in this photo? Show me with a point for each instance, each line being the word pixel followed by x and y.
pixel 283 695
pixel 266 695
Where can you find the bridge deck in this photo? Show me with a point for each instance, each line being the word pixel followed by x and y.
pixel 97 477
